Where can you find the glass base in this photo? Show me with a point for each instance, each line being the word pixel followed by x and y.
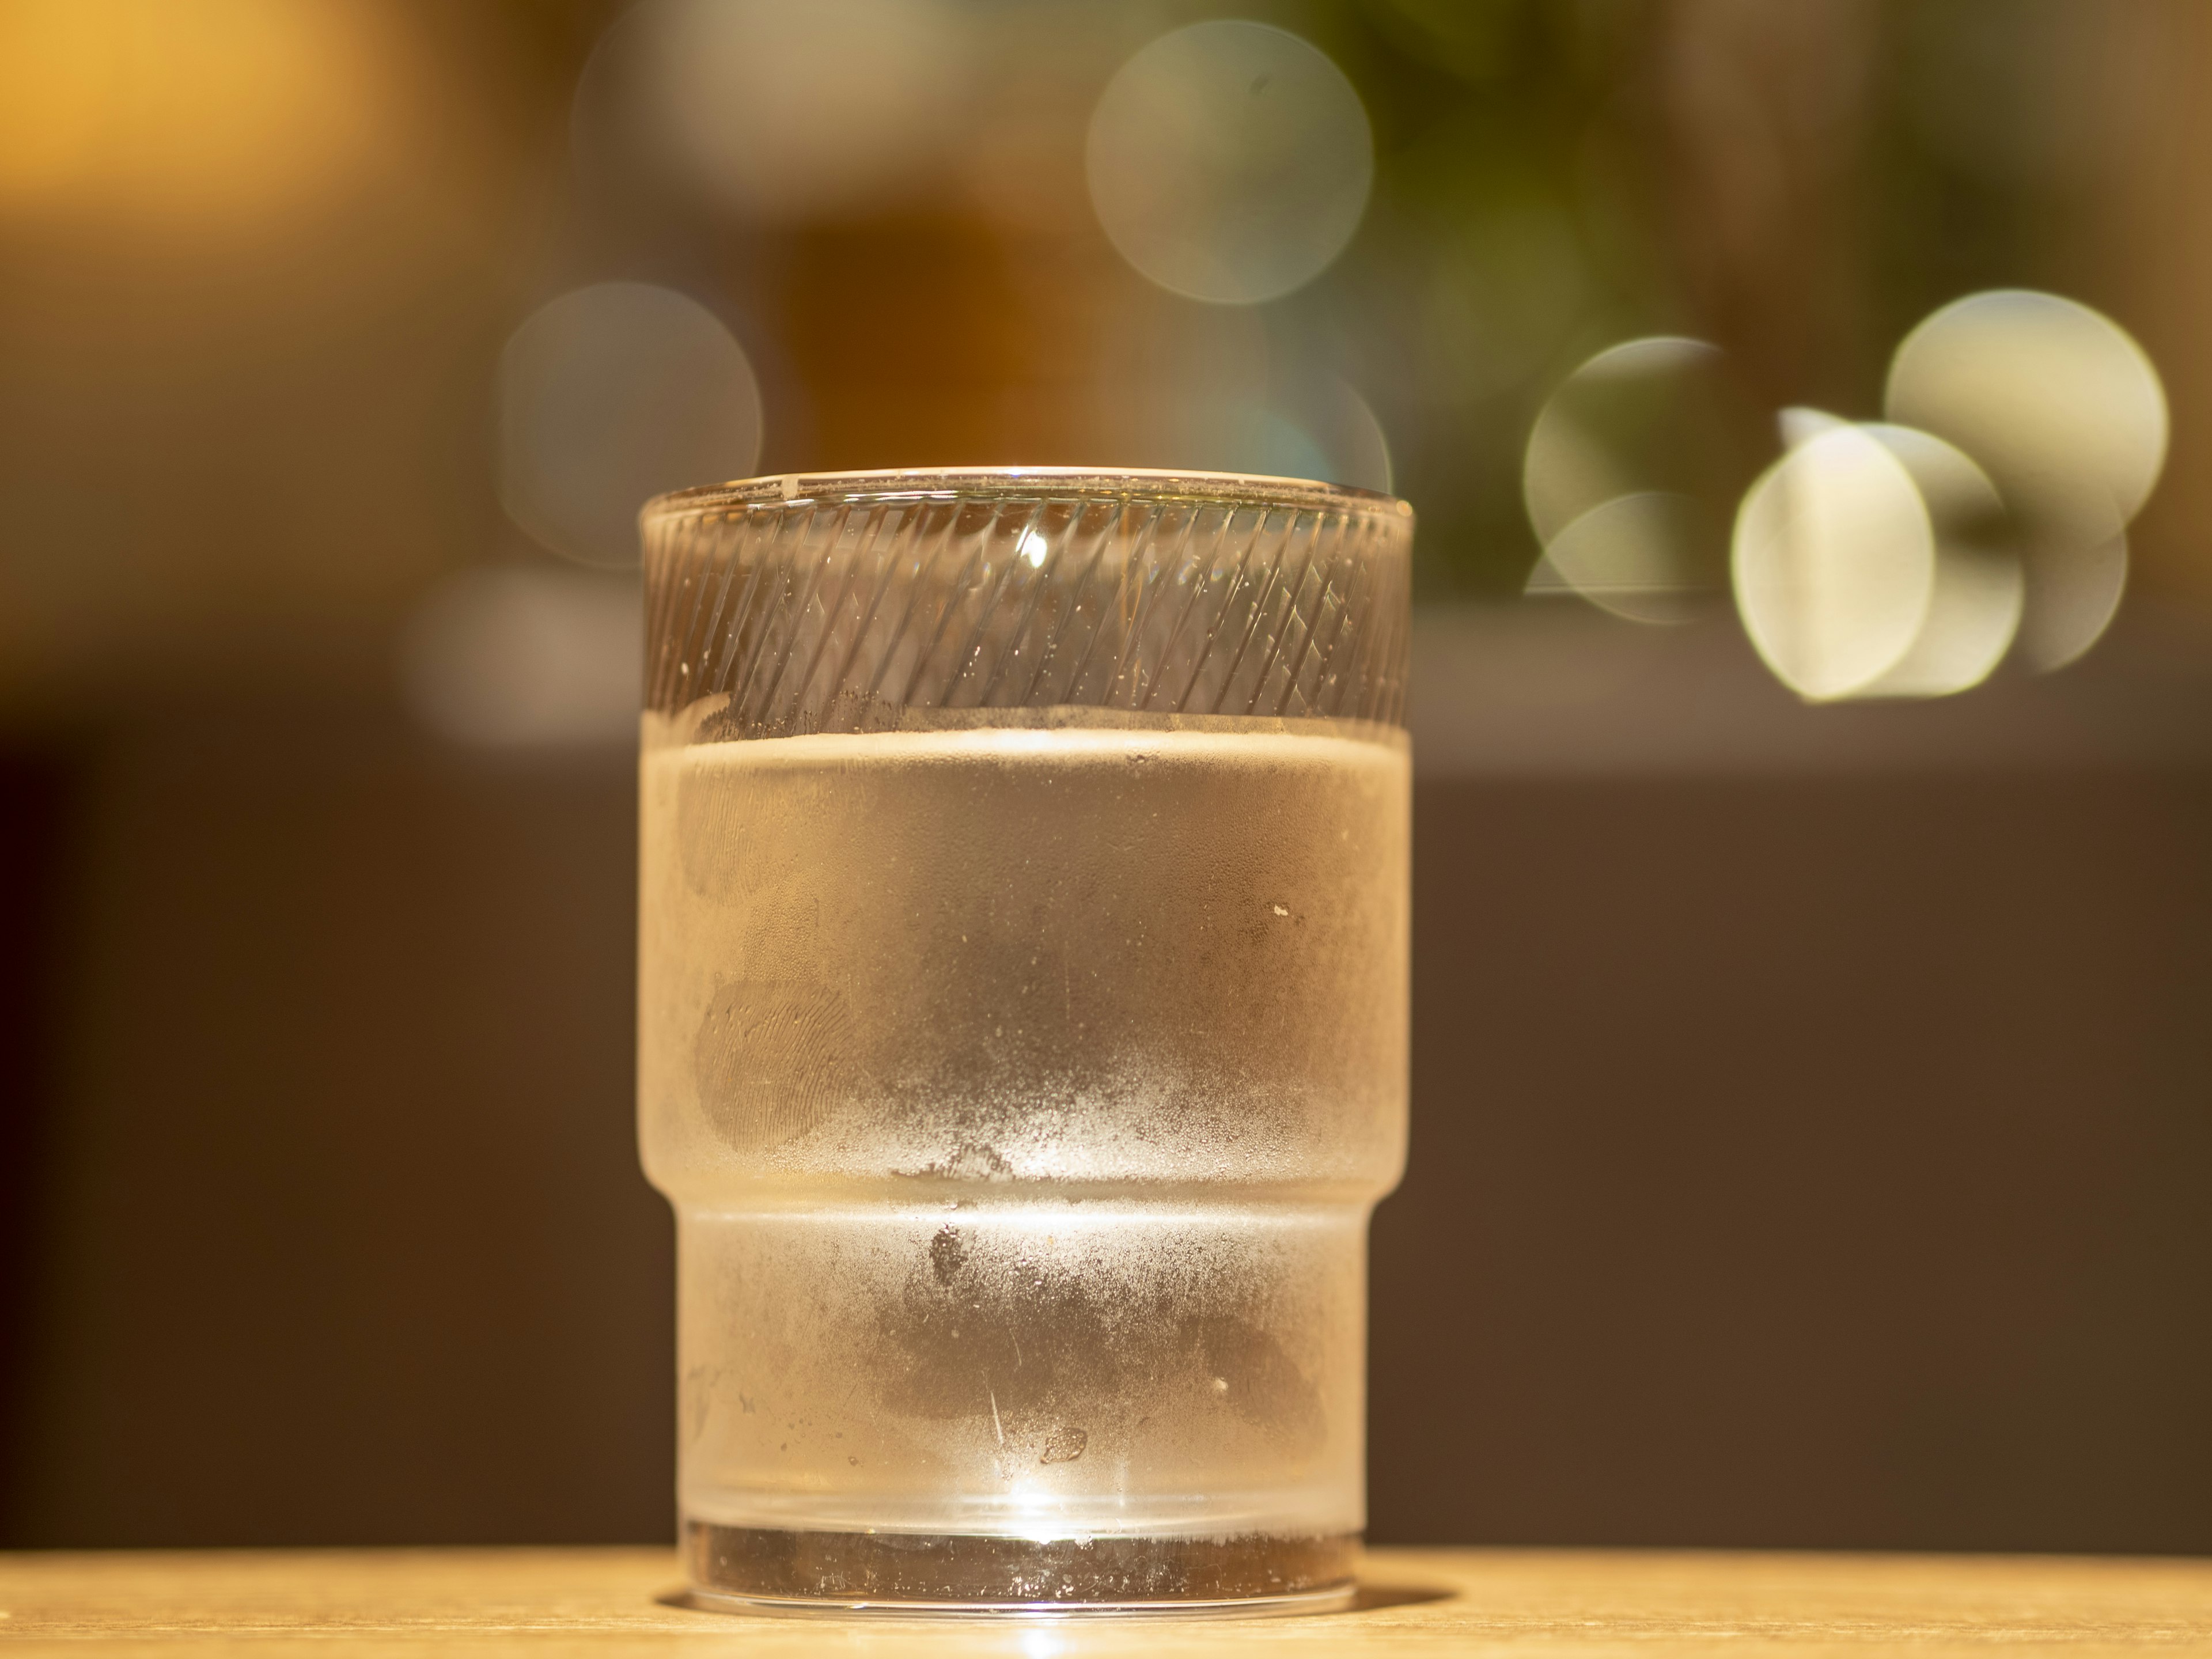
pixel 766 1569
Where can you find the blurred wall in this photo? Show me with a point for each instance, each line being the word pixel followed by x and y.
pixel 1805 1151
pixel 1811 1160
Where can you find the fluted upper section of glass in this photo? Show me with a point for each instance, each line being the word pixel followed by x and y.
pixel 878 601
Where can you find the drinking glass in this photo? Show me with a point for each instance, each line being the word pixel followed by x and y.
pixel 1022 1027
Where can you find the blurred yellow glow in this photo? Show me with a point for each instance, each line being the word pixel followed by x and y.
pixel 1834 563
pixel 1974 608
pixel 1230 162
pixel 187 106
pixel 784 111
pixel 1624 556
pixel 609 396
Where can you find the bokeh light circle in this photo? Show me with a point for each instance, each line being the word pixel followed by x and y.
pixel 1314 426
pixel 609 396
pixel 1974 607
pixel 790 112
pixel 1629 476
pixel 1576 456
pixel 1624 556
pixel 1833 563
pixel 2044 393
pixel 2077 574
pixel 2066 413
pixel 1230 162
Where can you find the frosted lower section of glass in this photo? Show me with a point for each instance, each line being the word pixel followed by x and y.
pixel 1023 1094
pixel 1046 1370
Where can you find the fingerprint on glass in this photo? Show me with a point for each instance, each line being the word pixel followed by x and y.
pixel 772 1059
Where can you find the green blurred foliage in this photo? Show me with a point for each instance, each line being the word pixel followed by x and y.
pixel 1539 196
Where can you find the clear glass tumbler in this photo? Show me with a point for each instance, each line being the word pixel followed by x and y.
pixel 1022 1027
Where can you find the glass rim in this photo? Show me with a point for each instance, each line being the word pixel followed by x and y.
pixel 1095 483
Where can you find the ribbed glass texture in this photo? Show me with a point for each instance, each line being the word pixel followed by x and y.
pixel 876 602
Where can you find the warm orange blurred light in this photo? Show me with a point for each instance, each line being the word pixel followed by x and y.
pixel 154 108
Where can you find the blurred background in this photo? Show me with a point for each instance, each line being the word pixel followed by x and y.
pixel 1808 409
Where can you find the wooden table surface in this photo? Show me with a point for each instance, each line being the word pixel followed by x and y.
pixel 593 1602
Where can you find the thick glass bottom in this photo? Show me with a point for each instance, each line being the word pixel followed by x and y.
pixel 956 1572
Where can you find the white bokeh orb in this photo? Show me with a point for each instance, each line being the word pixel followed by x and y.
pixel 1576 460
pixel 1833 563
pixel 1974 607
pixel 1623 481
pixel 2066 413
pixel 1230 162
pixel 2043 392
pixel 1625 556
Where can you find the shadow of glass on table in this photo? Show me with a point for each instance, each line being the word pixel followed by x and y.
pixel 1370 1596
pixel 1367 1597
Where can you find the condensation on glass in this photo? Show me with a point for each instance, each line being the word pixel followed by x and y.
pixel 1022 1027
